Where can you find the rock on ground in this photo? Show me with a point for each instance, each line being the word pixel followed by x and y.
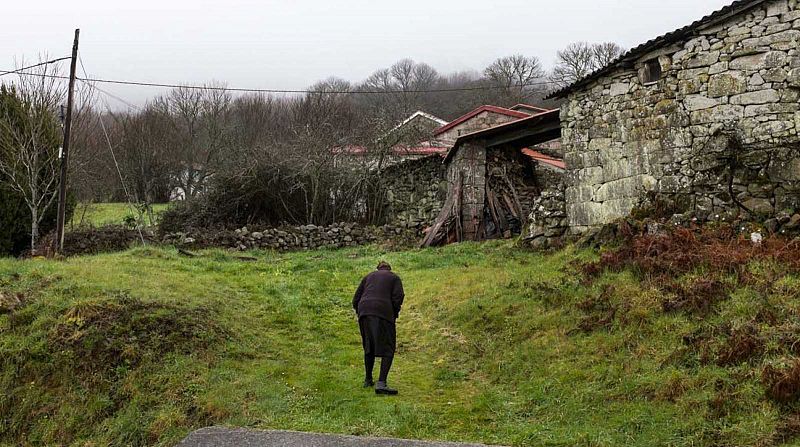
pixel 240 437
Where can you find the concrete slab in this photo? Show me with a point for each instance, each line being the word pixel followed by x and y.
pixel 240 437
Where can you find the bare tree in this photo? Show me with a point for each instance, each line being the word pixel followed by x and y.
pixel 606 53
pixel 30 138
pixel 580 59
pixel 405 83
pixel 516 76
pixel 200 118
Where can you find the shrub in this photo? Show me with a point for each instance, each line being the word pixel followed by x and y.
pixel 273 196
pixel 15 221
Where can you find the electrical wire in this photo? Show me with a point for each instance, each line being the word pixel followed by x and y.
pixel 18 70
pixel 114 157
pixel 266 90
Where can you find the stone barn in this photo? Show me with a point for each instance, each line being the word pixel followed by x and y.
pixel 706 117
pixel 497 179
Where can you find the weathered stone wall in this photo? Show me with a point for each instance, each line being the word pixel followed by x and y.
pixel 718 132
pixel 548 214
pixel 289 238
pixel 415 191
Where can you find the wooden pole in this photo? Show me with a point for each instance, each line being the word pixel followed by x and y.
pixel 62 189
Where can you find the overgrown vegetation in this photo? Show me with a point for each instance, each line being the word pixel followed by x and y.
pixel 102 214
pixel 496 345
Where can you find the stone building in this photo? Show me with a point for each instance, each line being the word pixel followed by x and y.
pixel 481 118
pixel 706 116
pixel 497 184
pixel 415 176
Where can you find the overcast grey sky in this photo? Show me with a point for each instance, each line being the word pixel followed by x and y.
pixel 292 44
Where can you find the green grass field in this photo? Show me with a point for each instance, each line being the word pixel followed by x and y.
pixel 100 214
pixel 139 348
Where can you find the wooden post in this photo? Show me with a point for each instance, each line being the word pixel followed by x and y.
pixel 62 188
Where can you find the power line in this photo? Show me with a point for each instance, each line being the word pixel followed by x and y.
pixel 110 95
pixel 114 157
pixel 265 90
pixel 5 72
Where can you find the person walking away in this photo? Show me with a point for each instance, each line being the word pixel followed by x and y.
pixel 377 302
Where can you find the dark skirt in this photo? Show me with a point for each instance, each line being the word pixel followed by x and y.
pixel 378 336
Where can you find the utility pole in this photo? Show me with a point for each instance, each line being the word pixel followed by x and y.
pixel 62 188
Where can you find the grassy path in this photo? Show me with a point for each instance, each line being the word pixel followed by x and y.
pixel 488 352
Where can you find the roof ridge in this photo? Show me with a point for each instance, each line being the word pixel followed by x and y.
pixel 737 7
pixel 474 112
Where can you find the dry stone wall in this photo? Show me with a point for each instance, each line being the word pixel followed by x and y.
pixel 415 191
pixel 287 238
pixel 548 218
pixel 717 133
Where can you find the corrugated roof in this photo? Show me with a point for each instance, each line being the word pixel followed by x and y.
pixel 734 8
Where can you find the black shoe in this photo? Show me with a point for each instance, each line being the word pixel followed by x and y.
pixel 381 388
pixel 368 383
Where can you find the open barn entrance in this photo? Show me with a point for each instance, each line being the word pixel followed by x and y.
pixel 494 177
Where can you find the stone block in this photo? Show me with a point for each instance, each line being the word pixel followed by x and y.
pixel 758 61
pixel 765 41
pixel 777 8
pixel 620 168
pixel 590 176
pixel 718 114
pixel 767 109
pixel 619 88
pixel 631 187
pixel 777 74
pixel 785 171
pixel 791 16
pixel 757 97
pixel 727 84
pixel 703 59
pixel 699 102
pixel 615 209
pixel 584 214
pixel 579 193
pixel 759 206
pixel 793 77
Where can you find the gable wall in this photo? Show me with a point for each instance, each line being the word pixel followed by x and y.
pixel 483 120
pixel 731 91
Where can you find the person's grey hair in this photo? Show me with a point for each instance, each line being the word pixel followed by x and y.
pixel 383 265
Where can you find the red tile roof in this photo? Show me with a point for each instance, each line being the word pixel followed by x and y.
pixel 529 107
pixel 481 109
pixel 546 159
pixel 423 148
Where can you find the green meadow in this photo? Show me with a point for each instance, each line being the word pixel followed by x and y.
pixel 143 346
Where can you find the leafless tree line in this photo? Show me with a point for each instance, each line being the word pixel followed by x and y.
pixel 296 151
